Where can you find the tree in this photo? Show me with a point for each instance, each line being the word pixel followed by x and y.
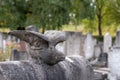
pixel 50 14
pixel 47 14
pixel 81 9
pixel 99 6
pixel 113 11
pixel 13 13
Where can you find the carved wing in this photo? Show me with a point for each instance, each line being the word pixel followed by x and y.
pixel 35 39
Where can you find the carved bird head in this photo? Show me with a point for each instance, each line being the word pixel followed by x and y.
pixel 40 46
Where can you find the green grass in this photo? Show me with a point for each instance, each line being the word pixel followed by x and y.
pixel 72 27
pixel 81 28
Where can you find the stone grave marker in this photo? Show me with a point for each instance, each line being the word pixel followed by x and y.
pixel 117 40
pixel 73 43
pixel 89 46
pixel 1 41
pixel 107 42
pixel 114 63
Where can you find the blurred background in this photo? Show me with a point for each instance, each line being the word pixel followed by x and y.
pixel 95 16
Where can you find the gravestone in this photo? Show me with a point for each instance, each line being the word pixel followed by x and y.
pixel 89 46
pixel 18 55
pixel 117 39
pixel 114 63
pixel 9 38
pixel 15 55
pixel 1 41
pixel 107 42
pixel 97 51
pixel 73 43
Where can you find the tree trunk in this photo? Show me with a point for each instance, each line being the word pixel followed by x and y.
pixel 99 15
pixel 99 26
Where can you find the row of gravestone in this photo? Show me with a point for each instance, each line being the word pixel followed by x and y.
pixel 114 58
pixel 75 44
pixel 78 44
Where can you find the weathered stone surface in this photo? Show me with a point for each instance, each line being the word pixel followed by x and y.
pixel 1 41
pixel 107 42
pixel 89 46
pixel 117 39
pixel 73 43
pixel 46 62
pixel 73 68
pixel 113 63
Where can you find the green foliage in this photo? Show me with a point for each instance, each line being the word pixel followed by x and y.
pixel 82 9
pixel 53 14
pixel 13 13
pixel 90 25
pixel 50 14
pixel 113 12
pixel 47 14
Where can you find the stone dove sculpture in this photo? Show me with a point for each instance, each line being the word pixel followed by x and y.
pixel 47 63
pixel 40 47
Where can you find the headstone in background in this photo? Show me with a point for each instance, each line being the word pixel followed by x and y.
pixel 89 46
pixel 114 63
pixel 15 55
pixel 9 38
pixel 18 55
pixel 4 46
pixel 117 39
pixel 107 42
pixel 97 51
pixel 1 41
pixel 73 43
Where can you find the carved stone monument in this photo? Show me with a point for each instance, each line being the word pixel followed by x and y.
pixel 46 63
